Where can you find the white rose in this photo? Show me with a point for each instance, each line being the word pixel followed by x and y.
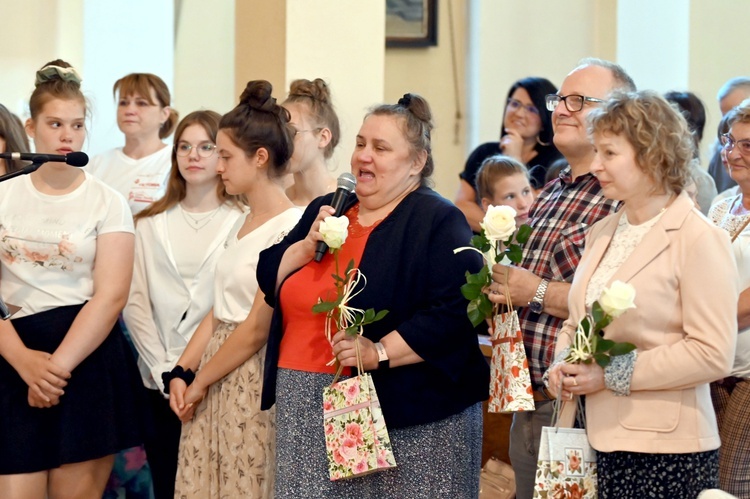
pixel 499 222
pixel 618 298
pixel 334 231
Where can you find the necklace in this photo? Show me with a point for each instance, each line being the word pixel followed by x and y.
pixel 197 223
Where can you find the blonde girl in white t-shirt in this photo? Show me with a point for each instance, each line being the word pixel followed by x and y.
pixel 67 393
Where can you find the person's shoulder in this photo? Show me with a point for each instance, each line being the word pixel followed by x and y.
pixel 426 202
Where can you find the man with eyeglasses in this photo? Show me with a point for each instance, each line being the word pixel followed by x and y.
pixel 559 218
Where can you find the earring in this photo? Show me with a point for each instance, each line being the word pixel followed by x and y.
pixel 543 144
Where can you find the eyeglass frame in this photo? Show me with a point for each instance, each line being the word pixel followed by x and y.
pixel 564 98
pixel 297 132
pixel 529 108
pixel 197 148
pixel 728 143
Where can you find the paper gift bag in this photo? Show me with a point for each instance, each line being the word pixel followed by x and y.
pixel 566 466
pixel 510 381
pixel 357 441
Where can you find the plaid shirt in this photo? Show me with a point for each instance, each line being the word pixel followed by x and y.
pixel 560 218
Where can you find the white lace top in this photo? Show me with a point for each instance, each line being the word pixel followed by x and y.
pixel 624 241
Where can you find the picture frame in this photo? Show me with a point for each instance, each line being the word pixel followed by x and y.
pixel 410 23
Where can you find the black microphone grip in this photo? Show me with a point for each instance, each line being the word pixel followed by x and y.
pixel 338 203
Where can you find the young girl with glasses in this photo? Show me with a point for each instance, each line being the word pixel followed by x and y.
pixel 178 241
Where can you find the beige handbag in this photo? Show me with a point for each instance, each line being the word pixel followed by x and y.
pixel 497 480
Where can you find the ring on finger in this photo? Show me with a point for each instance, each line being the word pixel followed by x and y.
pixel 570 396
pixel 575 381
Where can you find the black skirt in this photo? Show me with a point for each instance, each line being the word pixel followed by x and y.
pixel 99 414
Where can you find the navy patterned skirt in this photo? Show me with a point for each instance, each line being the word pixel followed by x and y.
pixel 636 475
pixel 434 460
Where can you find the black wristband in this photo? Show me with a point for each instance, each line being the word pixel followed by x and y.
pixel 186 375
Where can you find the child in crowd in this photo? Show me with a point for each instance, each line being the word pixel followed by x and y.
pixel 504 181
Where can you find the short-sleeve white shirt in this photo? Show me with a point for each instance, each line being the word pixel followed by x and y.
pixel 141 181
pixel 48 242
pixel 235 283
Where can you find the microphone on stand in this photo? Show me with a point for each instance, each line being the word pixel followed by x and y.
pixel 73 158
pixel 37 160
pixel 344 186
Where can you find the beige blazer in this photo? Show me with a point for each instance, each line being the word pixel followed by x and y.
pixel 684 328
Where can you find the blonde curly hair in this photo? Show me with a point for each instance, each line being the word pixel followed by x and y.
pixel 657 131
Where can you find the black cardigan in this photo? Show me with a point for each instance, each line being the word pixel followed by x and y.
pixel 412 272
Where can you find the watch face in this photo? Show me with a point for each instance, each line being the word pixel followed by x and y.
pixel 536 307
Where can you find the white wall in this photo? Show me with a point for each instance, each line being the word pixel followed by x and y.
pixel 122 37
pixel 204 56
pixel 336 40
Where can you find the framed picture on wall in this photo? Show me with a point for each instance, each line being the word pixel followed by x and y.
pixel 410 23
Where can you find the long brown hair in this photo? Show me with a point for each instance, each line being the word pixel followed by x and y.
pixel 176 186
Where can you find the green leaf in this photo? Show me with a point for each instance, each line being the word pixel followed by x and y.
pixel 603 345
pixel 586 325
pixel 349 267
pixel 324 306
pixel 597 313
pixel 369 315
pixel 622 348
pixel 602 359
pixel 352 330
pixel 380 315
pixel 485 305
pixel 606 321
pixel 471 291
pixel 514 253
pixel 479 241
pixel 480 278
pixel 523 233
pixel 475 315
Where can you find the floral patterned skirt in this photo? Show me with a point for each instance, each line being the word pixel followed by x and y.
pixel 227 450
pixel 623 475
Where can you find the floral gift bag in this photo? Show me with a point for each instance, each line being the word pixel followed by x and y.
pixel 510 381
pixel 567 464
pixel 357 441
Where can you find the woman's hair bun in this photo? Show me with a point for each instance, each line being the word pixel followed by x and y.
pixel 257 95
pixel 57 70
pixel 316 89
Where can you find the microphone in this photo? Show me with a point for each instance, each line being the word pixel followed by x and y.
pixel 344 186
pixel 73 158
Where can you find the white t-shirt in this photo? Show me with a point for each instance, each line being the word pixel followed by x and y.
pixel 141 181
pixel 48 243
pixel 235 282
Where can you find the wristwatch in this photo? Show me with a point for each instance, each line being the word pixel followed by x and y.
pixel 383 361
pixel 537 303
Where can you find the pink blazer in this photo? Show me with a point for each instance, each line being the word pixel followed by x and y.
pixel 684 327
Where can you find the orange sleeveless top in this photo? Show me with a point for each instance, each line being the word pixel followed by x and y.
pixel 304 346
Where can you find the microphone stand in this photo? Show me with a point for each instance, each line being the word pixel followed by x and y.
pixel 5 310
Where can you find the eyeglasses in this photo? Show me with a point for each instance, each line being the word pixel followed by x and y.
pixel 297 132
pixel 204 150
pixel 573 102
pixel 728 142
pixel 515 105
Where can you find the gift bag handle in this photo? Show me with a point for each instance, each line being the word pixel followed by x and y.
pixel 360 366
pixel 559 405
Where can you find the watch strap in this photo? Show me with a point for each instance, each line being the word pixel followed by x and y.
pixel 383 360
